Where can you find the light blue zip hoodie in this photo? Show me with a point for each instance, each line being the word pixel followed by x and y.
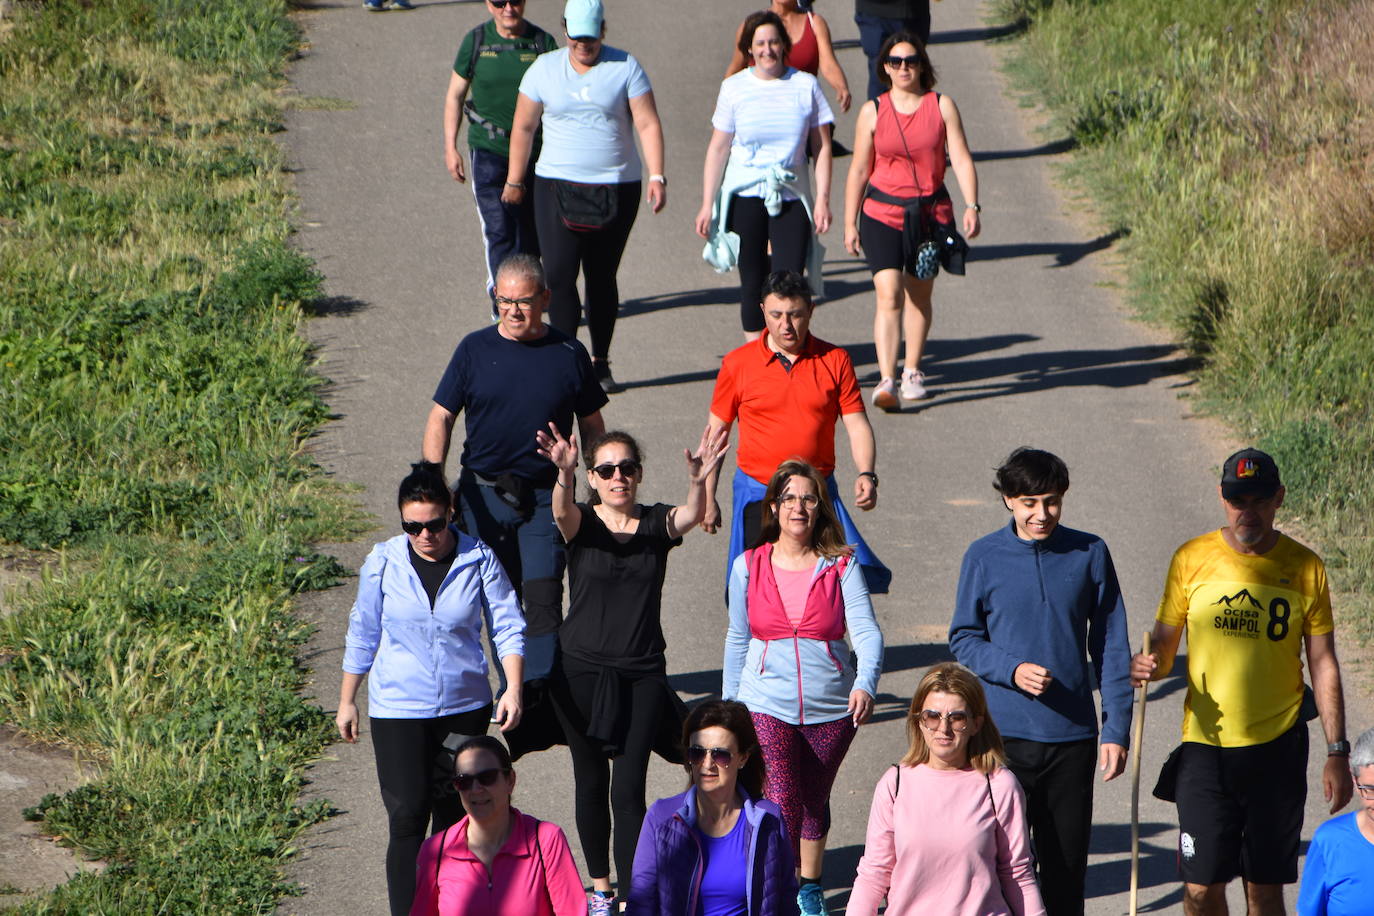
pixel 423 663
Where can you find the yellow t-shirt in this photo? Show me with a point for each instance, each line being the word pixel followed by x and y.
pixel 1245 618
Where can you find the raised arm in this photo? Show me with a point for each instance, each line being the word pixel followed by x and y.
pixel 707 458
pixel 527 115
pixel 860 169
pixel 962 161
pixel 710 522
pixel 563 453
pixel 650 130
pixel 453 119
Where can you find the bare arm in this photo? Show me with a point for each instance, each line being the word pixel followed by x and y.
pixel 717 155
pixel 650 130
pixel 738 60
pixel 710 522
pixel 962 161
pixel 591 427
pixel 864 449
pixel 1326 685
pixel 1164 647
pixel 453 119
pixel 860 169
pixel 563 453
pixel 527 115
pixel 438 432
pixel 707 458
pixel 830 66
pixel 820 140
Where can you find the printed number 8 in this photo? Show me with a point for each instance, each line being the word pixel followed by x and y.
pixel 1278 619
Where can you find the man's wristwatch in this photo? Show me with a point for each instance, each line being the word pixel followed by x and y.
pixel 660 179
pixel 1338 748
pixel 870 475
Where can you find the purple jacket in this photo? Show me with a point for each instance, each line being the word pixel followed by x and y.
pixel 668 867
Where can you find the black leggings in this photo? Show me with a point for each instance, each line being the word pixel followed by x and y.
pixel 604 787
pixel 596 253
pixel 414 791
pixel 790 233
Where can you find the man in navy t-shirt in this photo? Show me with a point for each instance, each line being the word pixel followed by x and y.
pixel 512 380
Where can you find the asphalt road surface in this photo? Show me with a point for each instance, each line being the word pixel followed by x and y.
pixel 1031 347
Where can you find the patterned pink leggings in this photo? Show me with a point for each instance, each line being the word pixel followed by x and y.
pixel 802 761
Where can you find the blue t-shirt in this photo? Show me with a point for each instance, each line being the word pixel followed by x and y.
pixel 588 132
pixel 1338 877
pixel 509 390
pixel 725 873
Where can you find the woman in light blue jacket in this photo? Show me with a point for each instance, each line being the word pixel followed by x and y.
pixel 416 634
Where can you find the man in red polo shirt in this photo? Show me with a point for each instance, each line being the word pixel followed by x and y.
pixel 787 389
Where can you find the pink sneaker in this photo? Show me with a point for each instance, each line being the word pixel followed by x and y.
pixel 914 386
pixel 885 396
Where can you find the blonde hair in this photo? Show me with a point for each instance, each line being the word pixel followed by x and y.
pixel 984 746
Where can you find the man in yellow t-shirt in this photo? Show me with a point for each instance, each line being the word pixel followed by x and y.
pixel 1250 599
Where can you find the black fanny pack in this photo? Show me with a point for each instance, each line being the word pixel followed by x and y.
pixel 926 242
pixel 585 207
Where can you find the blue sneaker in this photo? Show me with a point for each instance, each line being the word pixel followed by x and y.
pixel 374 6
pixel 402 5
pixel 811 900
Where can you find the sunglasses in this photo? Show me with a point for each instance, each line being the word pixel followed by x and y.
pixel 627 469
pixel 488 778
pixel 502 4
pixel 958 719
pixel 433 526
pixel 719 755
pixel 809 500
pixel 911 61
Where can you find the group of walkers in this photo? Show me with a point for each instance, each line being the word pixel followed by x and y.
pixel 990 809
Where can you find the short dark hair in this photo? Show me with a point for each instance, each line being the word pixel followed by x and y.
pixel 424 484
pixel 1030 472
pixel 786 284
pixel 928 76
pixel 734 718
pixel 751 25
pixel 489 743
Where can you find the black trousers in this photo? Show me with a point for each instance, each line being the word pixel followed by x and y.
pixel 416 791
pixel 1058 782
pixel 790 234
pixel 597 254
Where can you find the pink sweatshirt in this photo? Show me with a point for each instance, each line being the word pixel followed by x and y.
pixel 938 849
pixel 524 880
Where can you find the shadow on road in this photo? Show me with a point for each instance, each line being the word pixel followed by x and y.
pixel 697 682
pixel 681 378
pixel 1064 253
pixel 957 36
pixel 940 351
pixel 646 304
pixel 1044 149
pixel 337 306
pixel 917 655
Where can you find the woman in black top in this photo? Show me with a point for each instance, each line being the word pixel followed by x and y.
pixel 610 685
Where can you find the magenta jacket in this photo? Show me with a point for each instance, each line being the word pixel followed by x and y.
pixel 528 877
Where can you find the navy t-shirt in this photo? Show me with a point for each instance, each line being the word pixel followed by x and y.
pixel 510 389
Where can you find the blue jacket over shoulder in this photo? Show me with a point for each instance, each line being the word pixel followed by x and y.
pixel 1054 603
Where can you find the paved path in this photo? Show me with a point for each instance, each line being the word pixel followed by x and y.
pixel 1031 347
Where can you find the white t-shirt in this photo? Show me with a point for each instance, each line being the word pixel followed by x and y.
pixel 770 119
pixel 588 132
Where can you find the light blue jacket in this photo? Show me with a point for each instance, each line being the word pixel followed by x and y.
pixel 802 681
pixel 722 246
pixel 422 663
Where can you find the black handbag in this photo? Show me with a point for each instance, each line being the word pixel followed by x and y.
pixel 585 207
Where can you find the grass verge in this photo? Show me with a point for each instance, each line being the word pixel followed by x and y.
pixel 155 396
pixel 1232 143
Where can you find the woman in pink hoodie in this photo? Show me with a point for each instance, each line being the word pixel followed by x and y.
pixel 496 861
pixel 947 830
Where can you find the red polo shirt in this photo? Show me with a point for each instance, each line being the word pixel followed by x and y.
pixel 785 413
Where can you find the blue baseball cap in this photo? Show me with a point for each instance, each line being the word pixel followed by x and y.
pixel 583 18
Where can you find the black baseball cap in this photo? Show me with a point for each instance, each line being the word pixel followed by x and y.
pixel 1249 472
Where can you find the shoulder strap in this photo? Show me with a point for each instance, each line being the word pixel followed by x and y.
pixel 897 780
pixel 476 36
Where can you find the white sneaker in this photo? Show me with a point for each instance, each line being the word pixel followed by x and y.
pixel 885 396
pixel 914 386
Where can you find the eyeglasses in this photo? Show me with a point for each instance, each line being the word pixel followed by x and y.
pixel 721 756
pixel 809 500
pixel 510 305
pixel 957 718
pixel 464 781
pixel 910 62
pixel 433 526
pixel 1365 791
pixel 627 469
pixel 502 4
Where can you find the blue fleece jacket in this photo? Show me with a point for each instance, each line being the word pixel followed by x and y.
pixel 1054 603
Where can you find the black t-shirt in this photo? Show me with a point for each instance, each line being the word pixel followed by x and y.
pixel 617 589
pixel 431 572
pixel 510 389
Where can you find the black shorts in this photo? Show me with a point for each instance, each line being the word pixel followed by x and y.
pixel 882 244
pixel 1240 810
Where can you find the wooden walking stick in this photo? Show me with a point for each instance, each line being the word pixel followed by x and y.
pixel 1136 742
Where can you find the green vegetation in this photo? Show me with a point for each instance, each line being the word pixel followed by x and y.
pixel 1232 142
pixel 155 396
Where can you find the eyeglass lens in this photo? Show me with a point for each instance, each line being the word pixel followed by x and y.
pixel 958 719
pixel 912 61
pixel 464 781
pixel 809 500
pixel 433 526
pixel 721 756
pixel 627 468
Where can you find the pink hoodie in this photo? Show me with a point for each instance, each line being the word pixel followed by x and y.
pixel 526 879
